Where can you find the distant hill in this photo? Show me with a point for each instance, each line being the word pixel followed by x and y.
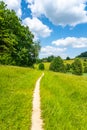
pixel 83 55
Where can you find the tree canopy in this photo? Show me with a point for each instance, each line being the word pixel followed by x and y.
pixel 41 66
pixel 83 55
pixel 57 65
pixel 17 46
pixel 77 67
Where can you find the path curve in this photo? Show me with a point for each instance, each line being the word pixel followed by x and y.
pixel 37 121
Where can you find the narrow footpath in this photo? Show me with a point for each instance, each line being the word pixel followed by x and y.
pixel 37 122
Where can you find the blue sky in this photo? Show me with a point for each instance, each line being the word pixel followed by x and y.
pixel 60 25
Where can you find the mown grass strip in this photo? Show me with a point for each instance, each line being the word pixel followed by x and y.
pixel 16 90
pixel 64 101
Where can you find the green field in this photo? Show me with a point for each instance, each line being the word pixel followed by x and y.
pixel 64 101
pixel 16 91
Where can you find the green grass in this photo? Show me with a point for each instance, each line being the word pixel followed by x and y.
pixel 68 61
pixel 16 91
pixel 47 65
pixel 64 101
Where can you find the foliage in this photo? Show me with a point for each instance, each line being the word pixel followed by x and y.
pixel 41 66
pixel 48 59
pixel 68 67
pixel 85 69
pixel 57 65
pixel 16 90
pixel 38 61
pixel 68 58
pixel 64 101
pixel 77 67
pixel 16 41
pixel 83 55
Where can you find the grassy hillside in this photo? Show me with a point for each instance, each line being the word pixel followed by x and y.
pixel 16 90
pixel 64 101
pixel 68 61
pixel 72 60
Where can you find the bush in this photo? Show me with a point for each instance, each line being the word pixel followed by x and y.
pixel 85 69
pixel 68 58
pixel 57 65
pixel 68 67
pixel 41 66
pixel 77 67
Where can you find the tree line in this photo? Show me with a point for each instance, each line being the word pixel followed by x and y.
pixel 17 45
pixel 83 55
pixel 58 65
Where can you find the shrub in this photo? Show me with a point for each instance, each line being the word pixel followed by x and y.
pixel 68 67
pixel 85 69
pixel 68 58
pixel 77 67
pixel 57 65
pixel 41 66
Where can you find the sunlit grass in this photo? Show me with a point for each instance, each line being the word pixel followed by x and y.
pixel 46 64
pixel 64 101
pixel 68 61
pixel 16 91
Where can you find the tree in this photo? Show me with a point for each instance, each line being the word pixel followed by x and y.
pixel 68 67
pixel 77 67
pixel 17 44
pixel 83 55
pixel 50 58
pixel 41 66
pixel 57 65
pixel 67 58
pixel 85 68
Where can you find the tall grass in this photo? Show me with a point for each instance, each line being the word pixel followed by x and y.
pixel 16 90
pixel 64 101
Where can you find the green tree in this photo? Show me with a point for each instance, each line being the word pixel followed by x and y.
pixel 17 44
pixel 41 66
pixel 77 67
pixel 67 58
pixel 68 67
pixel 57 65
pixel 83 55
pixel 85 69
pixel 50 58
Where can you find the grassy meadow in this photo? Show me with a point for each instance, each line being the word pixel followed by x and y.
pixel 68 61
pixel 16 91
pixel 64 101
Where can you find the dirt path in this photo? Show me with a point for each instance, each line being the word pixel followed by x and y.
pixel 37 122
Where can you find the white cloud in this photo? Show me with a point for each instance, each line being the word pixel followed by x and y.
pixel 15 5
pixel 71 41
pixel 29 1
pixel 36 7
pixel 37 27
pixel 50 50
pixel 60 12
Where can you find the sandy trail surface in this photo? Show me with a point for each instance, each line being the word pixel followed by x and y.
pixel 37 122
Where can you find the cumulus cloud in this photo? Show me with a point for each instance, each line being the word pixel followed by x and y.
pixel 15 5
pixel 60 12
pixel 37 27
pixel 51 50
pixel 71 41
